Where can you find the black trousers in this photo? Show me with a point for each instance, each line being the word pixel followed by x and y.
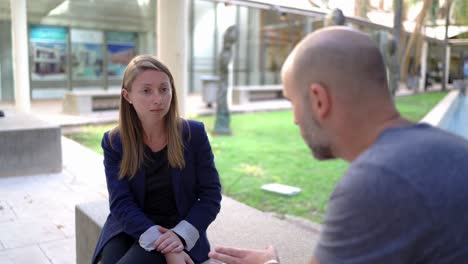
pixel 124 249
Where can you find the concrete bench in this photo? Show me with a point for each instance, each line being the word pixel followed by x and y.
pixel 247 93
pixel 28 146
pixel 236 225
pixel 88 101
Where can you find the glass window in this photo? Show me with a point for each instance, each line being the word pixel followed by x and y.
pixel 6 65
pixel 97 40
pixel 204 45
pixel 48 52
pixel 86 50
pixel 121 48
pixel 265 38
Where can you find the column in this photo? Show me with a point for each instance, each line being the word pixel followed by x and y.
pixel 308 27
pixel 447 65
pixel 422 78
pixel 172 43
pixel 20 51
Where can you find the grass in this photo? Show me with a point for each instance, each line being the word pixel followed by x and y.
pixel 267 147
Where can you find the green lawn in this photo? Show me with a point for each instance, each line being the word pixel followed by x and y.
pixel 267 147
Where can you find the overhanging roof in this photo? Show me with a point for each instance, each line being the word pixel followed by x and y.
pixel 306 8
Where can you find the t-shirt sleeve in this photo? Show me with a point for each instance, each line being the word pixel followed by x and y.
pixel 373 216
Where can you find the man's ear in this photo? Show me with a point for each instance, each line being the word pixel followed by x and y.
pixel 320 100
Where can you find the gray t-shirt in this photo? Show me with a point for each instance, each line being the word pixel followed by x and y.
pixel 404 200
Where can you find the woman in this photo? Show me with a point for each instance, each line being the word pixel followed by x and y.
pixel 164 189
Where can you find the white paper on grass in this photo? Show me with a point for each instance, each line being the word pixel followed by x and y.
pixel 281 189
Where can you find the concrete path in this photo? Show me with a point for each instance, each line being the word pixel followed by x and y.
pixel 37 212
pixel 37 223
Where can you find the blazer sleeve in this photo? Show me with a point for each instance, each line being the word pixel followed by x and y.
pixel 205 209
pixel 123 205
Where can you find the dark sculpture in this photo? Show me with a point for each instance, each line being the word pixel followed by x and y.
pixel 387 47
pixel 222 112
pixel 334 18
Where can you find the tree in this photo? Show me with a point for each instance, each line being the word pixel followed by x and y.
pixel 361 7
pixel 433 10
pixel 397 26
pixel 415 39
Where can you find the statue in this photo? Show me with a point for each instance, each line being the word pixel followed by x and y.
pixel 334 18
pixel 387 47
pixel 222 111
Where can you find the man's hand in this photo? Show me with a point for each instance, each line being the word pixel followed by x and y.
pixel 178 258
pixel 168 242
pixel 244 256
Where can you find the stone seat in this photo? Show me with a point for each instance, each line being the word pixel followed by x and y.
pixel 247 93
pixel 28 145
pixel 236 225
pixel 88 101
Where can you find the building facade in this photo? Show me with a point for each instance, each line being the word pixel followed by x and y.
pixel 84 44
pixel 79 45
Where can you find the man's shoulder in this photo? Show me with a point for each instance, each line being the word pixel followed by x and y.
pixel 414 146
pixel 423 136
pixel 419 160
pixel 408 186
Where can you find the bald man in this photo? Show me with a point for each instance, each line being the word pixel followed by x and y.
pixel 404 198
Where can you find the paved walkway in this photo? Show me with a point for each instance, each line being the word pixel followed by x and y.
pixel 37 223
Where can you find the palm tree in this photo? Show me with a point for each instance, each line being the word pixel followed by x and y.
pixel 361 8
pixel 432 9
pixel 395 65
pixel 460 10
pixel 415 39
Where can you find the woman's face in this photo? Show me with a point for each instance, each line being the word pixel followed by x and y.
pixel 150 95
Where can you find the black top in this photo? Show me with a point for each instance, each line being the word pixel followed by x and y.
pixel 160 205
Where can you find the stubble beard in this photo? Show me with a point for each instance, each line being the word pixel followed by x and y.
pixel 320 147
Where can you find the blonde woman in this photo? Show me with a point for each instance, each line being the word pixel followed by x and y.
pixel 164 189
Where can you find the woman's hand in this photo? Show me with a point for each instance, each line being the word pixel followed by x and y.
pixel 178 258
pixel 168 242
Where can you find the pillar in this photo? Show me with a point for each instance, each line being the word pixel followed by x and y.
pixel 20 51
pixel 447 65
pixel 172 43
pixel 422 79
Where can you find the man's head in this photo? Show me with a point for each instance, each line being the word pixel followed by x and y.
pixel 336 81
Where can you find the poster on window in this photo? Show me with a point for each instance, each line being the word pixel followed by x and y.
pixel 87 57
pixel 48 48
pixel 121 48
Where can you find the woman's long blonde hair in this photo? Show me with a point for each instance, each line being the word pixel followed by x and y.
pixel 131 130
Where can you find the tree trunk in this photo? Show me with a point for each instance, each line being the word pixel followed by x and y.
pixel 417 55
pixel 395 65
pixel 444 57
pixel 360 8
pixel 417 31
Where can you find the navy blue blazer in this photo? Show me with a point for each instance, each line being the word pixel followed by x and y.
pixel 197 191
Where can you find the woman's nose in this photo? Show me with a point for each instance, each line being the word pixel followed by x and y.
pixel 157 98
